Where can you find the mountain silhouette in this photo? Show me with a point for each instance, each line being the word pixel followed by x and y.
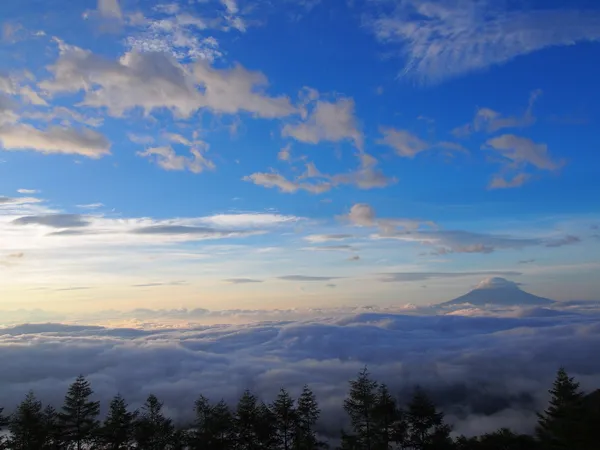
pixel 499 292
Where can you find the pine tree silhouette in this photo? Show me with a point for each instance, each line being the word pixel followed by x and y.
pixel 117 431
pixel 52 430
pixel 78 416
pixel 360 407
pixel 560 425
pixel 213 426
pixel 307 415
pixel 425 425
pixel 26 425
pixel 153 431
pixel 285 420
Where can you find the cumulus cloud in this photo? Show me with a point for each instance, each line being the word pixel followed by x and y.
pixel 500 182
pixel 166 158
pixel 476 393
pixel 408 145
pixel 332 121
pixel 366 176
pixel 152 81
pixel 490 121
pixel 517 153
pixel 110 9
pixel 285 154
pixel 57 140
pixel 522 150
pixel 442 39
pixel 363 215
pixel 275 180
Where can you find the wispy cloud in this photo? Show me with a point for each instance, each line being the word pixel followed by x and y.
pixel 447 38
pixel 420 276
pixel 242 280
pixel 306 278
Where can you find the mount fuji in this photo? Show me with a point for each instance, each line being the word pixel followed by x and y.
pixel 499 292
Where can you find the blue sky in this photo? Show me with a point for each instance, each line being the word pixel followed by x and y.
pixel 254 154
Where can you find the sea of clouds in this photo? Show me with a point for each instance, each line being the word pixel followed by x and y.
pixel 486 368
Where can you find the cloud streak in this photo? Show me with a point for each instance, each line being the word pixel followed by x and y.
pixel 445 39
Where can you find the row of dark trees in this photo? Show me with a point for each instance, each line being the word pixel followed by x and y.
pixel 376 420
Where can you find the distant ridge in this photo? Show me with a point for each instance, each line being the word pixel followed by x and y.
pixel 499 292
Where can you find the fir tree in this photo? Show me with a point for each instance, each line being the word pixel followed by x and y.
pixel 307 414
pixel 117 432
pixel 212 426
pixel 425 426
pixel 3 423
pixel 560 425
pixel 78 417
pixel 26 425
pixel 285 420
pixel 386 420
pixel 360 406
pixel 153 431
pixel 52 430
pixel 253 423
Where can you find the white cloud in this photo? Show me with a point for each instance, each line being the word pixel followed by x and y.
pixel 408 145
pixel 166 158
pixel 28 191
pixel 500 182
pixel 250 220
pixel 363 215
pixel 331 121
pixel 320 238
pixel 153 81
pixel 404 142
pixel 285 154
pixel 522 151
pixel 325 351
pixel 275 180
pixel 18 200
pixel 238 89
pixel 490 121
pixel 58 140
pixel 366 176
pixel 447 38
pixel 91 206
pixel 517 153
pixel 176 33
pixel 110 9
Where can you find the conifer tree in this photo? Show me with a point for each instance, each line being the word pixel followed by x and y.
pixel 52 430
pixel 117 432
pixel 26 425
pixel 153 431
pixel 307 415
pixel 425 428
pixel 560 425
pixel 285 420
pixel 360 407
pixel 386 419
pixel 212 427
pixel 253 424
pixel 3 423
pixel 78 416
